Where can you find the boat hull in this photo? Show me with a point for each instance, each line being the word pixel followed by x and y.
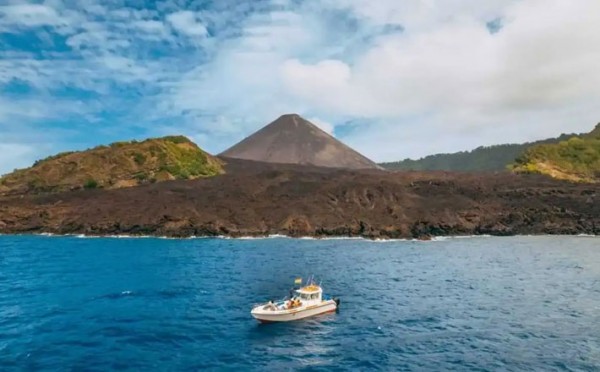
pixel 294 314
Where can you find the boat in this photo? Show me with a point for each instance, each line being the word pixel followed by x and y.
pixel 305 302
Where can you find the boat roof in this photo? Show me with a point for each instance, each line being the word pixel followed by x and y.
pixel 309 289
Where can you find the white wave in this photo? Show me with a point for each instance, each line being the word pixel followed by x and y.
pixel 249 237
pixel 439 238
pixel 470 236
pixel 381 240
pixel 120 236
pixel 334 238
pixel 444 238
pixel 280 236
pixel 127 236
pixel 84 236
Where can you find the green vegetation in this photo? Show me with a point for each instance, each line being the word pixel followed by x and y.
pixel 120 144
pixel 141 176
pixel 484 158
pixel 595 133
pixel 577 159
pixel 570 157
pixel 121 164
pixel 90 184
pixel 53 157
pixel 184 162
pixel 176 139
pixel 139 158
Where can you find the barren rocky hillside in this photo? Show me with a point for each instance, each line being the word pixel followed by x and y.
pixel 260 199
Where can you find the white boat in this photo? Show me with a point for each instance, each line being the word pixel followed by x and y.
pixel 307 301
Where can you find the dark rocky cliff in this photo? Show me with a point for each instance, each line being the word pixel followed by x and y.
pixel 255 199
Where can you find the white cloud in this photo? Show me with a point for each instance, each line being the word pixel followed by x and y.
pixel 397 78
pixel 457 76
pixel 461 65
pixel 188 23
pixel 21 142
pixel 445 72
pixel 323 125
pixel 151 26
pixel 26 110
pixel 15 156
pixel 30 15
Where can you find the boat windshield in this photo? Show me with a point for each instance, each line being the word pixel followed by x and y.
pixel 308 296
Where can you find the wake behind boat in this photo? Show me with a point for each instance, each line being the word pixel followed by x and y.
pixel 306 302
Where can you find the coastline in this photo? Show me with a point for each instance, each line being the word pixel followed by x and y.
pixel 315 203
pixel 278 236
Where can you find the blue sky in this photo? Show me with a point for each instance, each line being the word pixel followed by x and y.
pixel 392 78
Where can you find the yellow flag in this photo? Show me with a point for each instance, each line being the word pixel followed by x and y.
pixel 298 281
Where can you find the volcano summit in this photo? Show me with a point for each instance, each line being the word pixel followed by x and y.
pixel 292 139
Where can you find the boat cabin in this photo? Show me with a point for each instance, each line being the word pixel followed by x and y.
pixel 310 293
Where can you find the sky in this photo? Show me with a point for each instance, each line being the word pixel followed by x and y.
pixel 391 78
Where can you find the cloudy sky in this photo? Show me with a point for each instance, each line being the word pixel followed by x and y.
pixel 392 78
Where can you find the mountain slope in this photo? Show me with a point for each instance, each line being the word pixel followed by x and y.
pixel 121 164
pixel 293 140
pixel 577 159
pixel 484 158
pixel 595 133
pixel 261 199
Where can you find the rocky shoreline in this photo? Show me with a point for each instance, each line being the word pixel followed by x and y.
pixel 258 200
pixel 266 237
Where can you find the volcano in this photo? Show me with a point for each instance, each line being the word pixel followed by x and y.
pixel 292 139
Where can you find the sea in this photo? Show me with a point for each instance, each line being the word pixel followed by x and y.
pixel 462 304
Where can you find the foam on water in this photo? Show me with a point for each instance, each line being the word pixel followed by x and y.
pixel 279 236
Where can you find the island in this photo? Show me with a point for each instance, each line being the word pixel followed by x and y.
pixel 292 179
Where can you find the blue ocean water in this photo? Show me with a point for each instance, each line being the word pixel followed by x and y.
pixel 521 303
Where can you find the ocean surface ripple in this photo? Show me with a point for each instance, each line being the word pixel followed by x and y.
pixel 520 303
